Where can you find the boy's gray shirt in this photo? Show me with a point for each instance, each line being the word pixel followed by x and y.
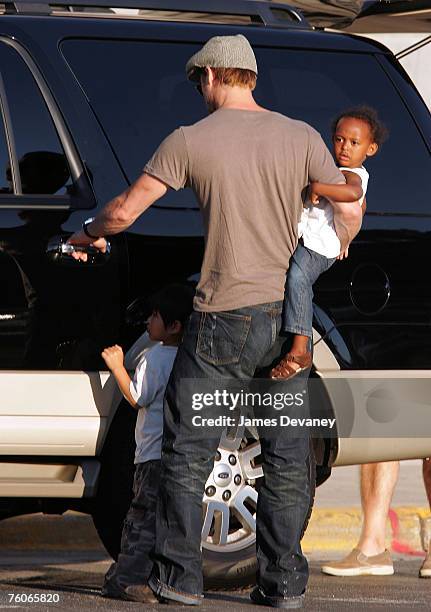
pixel 248 170
pixel 148 389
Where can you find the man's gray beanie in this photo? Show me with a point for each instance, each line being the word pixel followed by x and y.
pixel 223 52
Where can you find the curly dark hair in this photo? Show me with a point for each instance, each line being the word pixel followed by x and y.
pixel 378 130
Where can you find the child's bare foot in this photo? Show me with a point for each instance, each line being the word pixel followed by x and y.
pixel 291 365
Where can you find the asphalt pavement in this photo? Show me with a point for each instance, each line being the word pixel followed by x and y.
pixel 57 563
pixel 73 581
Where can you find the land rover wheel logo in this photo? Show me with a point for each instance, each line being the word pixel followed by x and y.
pixel 223 475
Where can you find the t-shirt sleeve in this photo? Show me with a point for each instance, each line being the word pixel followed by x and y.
pixel 363 175
pixel 321 166
pixel 145 383
pixel 170 162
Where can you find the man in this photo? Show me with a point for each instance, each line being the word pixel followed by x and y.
pixel 370 557
pixel 248 167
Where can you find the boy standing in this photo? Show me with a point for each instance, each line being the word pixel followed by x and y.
pixel 171 309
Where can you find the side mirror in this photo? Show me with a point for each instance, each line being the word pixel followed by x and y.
pixel 59 252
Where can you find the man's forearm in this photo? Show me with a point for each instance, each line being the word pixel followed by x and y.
pixel 347 209
pixel 347 221
pixel 111 219
pixel 123 210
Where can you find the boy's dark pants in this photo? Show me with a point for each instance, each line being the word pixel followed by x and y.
pixel 227 345
pixel 133 565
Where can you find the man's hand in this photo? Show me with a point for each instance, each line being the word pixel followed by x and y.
pixel 113 357
pixel 120 213
pixel 81 239
pixel 344 254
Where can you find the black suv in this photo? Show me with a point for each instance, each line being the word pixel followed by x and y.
pixel 86 94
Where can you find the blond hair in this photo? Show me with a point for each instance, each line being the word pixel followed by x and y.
pixel 235 77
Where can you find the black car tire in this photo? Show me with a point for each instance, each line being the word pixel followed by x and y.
pixel 238 569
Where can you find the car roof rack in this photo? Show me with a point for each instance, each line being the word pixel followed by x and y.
pixel 252 12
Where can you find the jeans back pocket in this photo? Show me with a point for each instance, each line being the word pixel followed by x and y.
pixel 222 336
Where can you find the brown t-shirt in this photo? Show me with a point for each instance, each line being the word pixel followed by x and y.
pixel 247 169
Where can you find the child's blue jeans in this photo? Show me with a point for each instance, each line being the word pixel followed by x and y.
pixel 134 564
pixel 305 268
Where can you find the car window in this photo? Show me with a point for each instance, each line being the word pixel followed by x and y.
pixel 141 94
pixel 42 163
pixel 316 86
pixel 138 99
pixel 5 185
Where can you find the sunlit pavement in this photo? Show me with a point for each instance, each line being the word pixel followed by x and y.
pixel 72 581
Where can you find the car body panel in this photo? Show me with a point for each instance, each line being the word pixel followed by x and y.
pixel 55 320
pixel 49 479
pixel 69 420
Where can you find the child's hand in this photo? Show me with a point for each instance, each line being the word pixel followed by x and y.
pixel 314 197
pixel 344 254
pixel 113 357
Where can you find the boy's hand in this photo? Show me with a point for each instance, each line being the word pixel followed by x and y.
pixel 113 357
pixel 344 254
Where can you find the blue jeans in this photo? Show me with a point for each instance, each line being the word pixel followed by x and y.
pixel 137 539
pixel 228 345
pixel 305 268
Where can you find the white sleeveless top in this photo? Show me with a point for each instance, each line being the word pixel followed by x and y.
pixel 317 222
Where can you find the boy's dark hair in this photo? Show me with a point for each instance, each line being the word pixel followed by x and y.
pixel 378 130
pixel 174 303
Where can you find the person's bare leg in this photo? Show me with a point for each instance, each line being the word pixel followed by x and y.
pixel 426 471
pixel 299 344
pixel 425 570
pixel 378 482
pixel 287 367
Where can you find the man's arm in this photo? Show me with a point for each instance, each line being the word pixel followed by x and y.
pixel 348 216
pixel 120 213
pixel 364 206
pixel 322 169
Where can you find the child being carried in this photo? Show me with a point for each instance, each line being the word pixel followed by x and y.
pixel 326 229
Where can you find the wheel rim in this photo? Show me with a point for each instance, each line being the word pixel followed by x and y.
pixel 230 498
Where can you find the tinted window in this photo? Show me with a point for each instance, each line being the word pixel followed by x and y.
pixel 140 100
pixel 42 163
pixel 316 86
pixel 5 185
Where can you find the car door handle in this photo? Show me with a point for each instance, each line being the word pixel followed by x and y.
pixel 60 252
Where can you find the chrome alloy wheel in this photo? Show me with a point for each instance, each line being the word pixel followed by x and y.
pixel 230 498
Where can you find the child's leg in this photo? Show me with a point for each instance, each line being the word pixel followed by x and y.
pixel 134 565
pixel 305 268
